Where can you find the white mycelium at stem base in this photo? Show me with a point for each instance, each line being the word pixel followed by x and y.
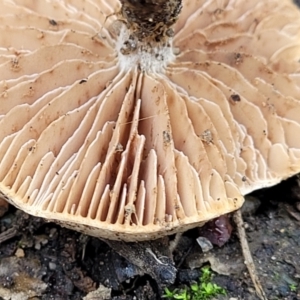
pixel 147 59
pixel 145 36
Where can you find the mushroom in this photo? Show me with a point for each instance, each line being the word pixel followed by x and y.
pixel 133 120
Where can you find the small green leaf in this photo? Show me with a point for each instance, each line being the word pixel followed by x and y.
pixel 194 287
pixel 203 290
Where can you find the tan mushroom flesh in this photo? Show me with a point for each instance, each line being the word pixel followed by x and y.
pixel 132 122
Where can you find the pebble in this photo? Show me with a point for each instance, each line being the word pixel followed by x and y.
pixel 283 290
pixel 204 243
pixel 20 253
pixel 246 225
pixel 39 242
pixel 52 266
pixel 37 246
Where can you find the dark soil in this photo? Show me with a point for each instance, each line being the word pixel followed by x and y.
pixel 44 261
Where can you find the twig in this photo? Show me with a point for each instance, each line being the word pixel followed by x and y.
pixel 8 234
pixel 237 217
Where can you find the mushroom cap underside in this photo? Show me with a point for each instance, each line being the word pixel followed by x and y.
pixel 121 153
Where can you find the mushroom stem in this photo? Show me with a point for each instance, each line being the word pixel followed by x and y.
pixel 151 20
